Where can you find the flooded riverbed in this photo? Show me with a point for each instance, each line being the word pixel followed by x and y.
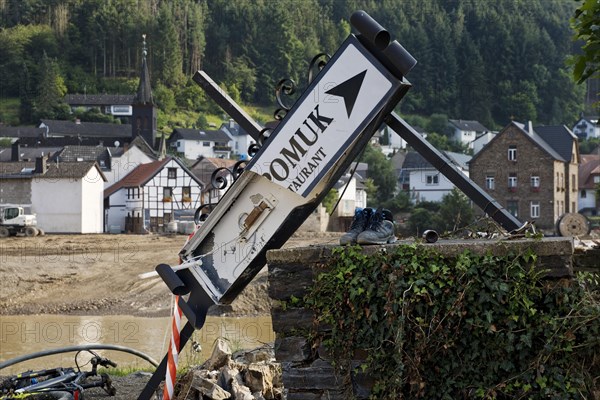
pixel 25 334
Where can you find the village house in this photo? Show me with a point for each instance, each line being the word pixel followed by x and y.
pixel 40 187
pixel 118 105
pixel 194 143
pixel 240 139
pixel 589 184
pixel 151 196
pixel 223 168
pixel 587 127
pixel 423 181
pixel 24 153
pixel 351 194
pixel 464 131
pixel 481 140
pixel 14 133
pixel 532 172
pixel 115 162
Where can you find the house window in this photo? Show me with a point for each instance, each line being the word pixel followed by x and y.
pixel 490 183
pixel 512 181
pixel 573 184
pixel 133 193
pixel 597 179
pixel 172 173
pixel 512 206
pixel 583 194
pixel 573 207
pixel 512 153
pixel 433 179
pixel 534 208
pixel 535 182
pixel 167 193
pixel 206 144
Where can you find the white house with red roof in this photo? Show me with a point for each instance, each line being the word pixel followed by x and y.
pixel 589 182
pixel 151 196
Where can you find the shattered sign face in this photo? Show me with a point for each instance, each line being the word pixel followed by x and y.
pixel 325 120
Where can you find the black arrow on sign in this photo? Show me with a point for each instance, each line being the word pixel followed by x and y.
pixel 349 90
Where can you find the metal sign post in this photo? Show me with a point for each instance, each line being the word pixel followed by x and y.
pixel 302 159
pixel 479 196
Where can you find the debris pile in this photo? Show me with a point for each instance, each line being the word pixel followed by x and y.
pixel 245 375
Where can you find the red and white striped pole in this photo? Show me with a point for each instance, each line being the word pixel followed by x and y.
pixel 173 353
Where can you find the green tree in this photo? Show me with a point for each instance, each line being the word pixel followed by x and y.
pixel 51 89
pixel 168 55
pixel 382 172
pixel 420 220
pixel 454 213
pixel 330 200
pixel 585 22
pixel 400 202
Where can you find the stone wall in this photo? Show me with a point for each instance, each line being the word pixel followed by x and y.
pixel 15 192
pixel 308 373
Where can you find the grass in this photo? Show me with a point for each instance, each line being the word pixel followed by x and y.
pixel 124 371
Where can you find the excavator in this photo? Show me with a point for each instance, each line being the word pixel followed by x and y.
pixel 14 221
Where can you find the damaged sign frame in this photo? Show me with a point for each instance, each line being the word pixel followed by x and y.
pixel 349 99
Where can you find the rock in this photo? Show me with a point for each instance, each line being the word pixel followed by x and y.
pixel 258 396
pixel 260 379
pixel 228 376
pixel 209 388
pixel 265 353
pixel 241 392
pixel 220 355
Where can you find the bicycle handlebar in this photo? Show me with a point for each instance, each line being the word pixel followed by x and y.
pixel 105 362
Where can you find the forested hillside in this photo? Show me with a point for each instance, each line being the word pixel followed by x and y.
pixel 484 60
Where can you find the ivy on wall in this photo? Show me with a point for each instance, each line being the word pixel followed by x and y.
pixel 464 327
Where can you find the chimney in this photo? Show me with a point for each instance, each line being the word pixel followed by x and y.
pixel 231 124
pixel 41 165
pixel 15 152
pixel 530 126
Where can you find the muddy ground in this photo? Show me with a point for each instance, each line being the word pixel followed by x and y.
pixel 98 275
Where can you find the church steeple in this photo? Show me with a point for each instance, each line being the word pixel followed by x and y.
pixel 143 120
pixel 144 92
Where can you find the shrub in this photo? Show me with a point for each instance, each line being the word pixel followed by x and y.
pixel 465 327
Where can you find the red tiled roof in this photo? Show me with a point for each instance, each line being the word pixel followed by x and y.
pixel 589 167
pixel 139 176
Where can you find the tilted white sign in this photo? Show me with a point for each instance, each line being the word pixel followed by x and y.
pixel 330 114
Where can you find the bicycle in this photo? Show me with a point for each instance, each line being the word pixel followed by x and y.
pixel 59 383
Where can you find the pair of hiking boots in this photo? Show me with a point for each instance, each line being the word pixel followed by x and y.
pixel 370 226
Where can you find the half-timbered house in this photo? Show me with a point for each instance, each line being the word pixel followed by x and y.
pixel 151 196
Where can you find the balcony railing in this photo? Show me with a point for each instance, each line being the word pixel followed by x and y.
pixel 221 148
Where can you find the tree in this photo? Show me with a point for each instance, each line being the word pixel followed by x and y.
pixel 330 200
pixel 51 89
pixel 170 60
pixel 585 23
pixel 382 173
pixel 420 220
pixel 455 212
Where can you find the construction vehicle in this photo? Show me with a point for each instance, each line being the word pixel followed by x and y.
pixel 14 221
